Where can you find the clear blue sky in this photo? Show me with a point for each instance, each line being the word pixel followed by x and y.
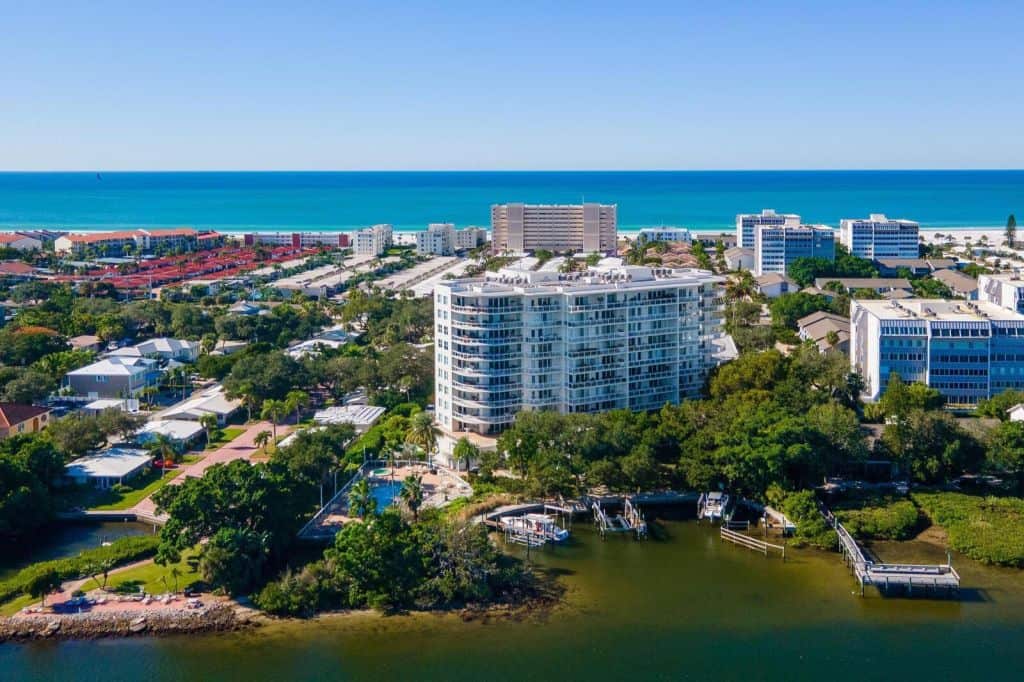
pixel 511 85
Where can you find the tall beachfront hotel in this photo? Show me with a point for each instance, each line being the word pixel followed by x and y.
pixel 968 351
pixel 603 339
pixel 775 248
pixel 879 237
pixel 520 228
pixel 747 224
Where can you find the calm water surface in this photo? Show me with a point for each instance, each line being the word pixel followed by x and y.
pixel 686 607
pixel 65 540
pixel 342 201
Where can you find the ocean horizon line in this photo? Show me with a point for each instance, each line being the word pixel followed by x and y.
pixel 171 171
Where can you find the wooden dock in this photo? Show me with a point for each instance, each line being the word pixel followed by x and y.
pixel 935 578
pixel 750 543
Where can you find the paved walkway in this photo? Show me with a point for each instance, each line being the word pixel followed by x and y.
pixel 242 447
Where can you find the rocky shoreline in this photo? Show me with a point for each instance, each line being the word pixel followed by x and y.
pixel 216 618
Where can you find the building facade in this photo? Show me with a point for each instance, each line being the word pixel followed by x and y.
pixel 19 242
pixel 114 377
pixel 18 419
pixel 968 351
pixel 1005 291
pixel 373 241
pixel 879 237
pixel 136 241
pixel 442 239
pixel 664 234
pixel 298 240
pixel 521 228
pixel 603 339
pixel 747 224
pixel 776 247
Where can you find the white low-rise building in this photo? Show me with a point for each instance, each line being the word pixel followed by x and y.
pixel 182 432
pixel 19 242
pixel 362 417
pixel 607 338
pixel 108 468
pixel 1005 290
pixel 208 401
pixel 163 348
pixel 664 234
pixel 442 239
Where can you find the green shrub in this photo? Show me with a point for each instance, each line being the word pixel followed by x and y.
pixel 880 518
pixel 121 488
pixel 987 529
pixel 811 528
pixel 121 551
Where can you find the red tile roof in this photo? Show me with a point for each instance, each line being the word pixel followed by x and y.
pixel 13 413
pixel 14 267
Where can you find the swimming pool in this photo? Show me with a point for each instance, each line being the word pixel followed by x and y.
pixel 385 492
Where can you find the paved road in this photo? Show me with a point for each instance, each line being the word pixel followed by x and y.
pixel 242 447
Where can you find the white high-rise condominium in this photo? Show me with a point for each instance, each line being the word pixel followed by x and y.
pixel 879 237
pixel 606 338
pixel 373 241
pixel 747 224
pixel 519 228
pixel 968 351
pixel 775 248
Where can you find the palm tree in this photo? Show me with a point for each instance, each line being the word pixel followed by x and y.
pixel 273 410
pixel 464 451
pixel 295 401
pixel 175 573
pixel 209 422
pixel 361 501
pixel 423 432
pixel 163 447
pixel 412 494
pixel 262 438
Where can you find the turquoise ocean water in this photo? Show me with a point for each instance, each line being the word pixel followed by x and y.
pixel 234 201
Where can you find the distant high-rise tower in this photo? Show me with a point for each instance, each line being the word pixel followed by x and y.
pixel 519 228
pixel 747 223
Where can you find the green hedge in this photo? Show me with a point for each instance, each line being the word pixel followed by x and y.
pixel 121 551
pixel 880 518
pixel 987 529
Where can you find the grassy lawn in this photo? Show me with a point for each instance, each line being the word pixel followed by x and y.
pixel 227 435
pixel 112 501
pixel 12 607
pixel 152 576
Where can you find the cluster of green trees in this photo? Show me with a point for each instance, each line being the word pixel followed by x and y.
pixel 388 563
pixel 31 466
pixel 805 270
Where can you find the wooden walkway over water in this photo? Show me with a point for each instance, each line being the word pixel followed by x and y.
pixel 935 578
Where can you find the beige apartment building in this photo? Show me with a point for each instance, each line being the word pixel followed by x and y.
pixel 521 228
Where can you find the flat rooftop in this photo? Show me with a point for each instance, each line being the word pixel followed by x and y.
pixel 112 463
pixel 939 310
pixel 595 279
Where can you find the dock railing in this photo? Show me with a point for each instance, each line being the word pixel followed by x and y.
pixel 751 543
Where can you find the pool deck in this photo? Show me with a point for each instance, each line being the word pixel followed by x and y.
pixel 439 489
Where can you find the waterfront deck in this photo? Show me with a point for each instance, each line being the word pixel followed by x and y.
pixel 933 578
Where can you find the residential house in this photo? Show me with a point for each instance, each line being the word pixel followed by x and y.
pixel 774 285
pixel 17 419
pixel 114 377
pixel 208 401
pixel 739 258
pixel 108 468
pixel 86 342
pixel 182 432
pixel 162 348
pixel 960 284
pixel 1016 413
pixel 891 267
pixel 820 326
pixel 879 285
